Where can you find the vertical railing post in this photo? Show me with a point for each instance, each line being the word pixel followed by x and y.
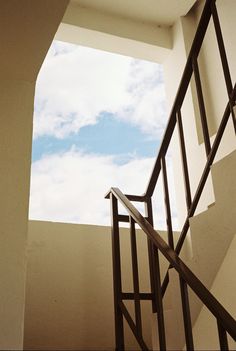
pixel 201 104
pixel 224 60
pixel 156 281
pixel 117 286
pixel 167 203
pixel 149 215
pixel 222 337
pixel 134 256
pixel 184 159
pixel 186 314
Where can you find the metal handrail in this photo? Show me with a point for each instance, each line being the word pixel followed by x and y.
pixel 225 319
pixel 225 322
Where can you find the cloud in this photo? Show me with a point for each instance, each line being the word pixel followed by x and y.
pixel 76 84
pixel 70 186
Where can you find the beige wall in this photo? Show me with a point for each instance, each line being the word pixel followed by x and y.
pixel 214 95
pixel 223 288
pixel 69 292
pixel 26 32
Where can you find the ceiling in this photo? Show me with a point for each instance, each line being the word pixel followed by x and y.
pixel 160 12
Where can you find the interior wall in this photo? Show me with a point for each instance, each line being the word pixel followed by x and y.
pixel 16 102
pixel 69 287
pixel 205 328
pixel 26 31
pixel 214 87
pixel 214 94
pixel 69 290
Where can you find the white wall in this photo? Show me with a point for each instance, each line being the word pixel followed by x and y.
pixel 223 288
pixel 214 95
pixel 26 32
pixel 69 289
pixel 69 292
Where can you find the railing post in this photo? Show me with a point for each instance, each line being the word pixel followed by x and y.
pixel 117 286
pixel 222 337
pixel 156 280
pixel 167 203
pixel 224 60
pixel 186 314
pixel 134 256
pixel 184 159
pixel 149 215
pixel 201 104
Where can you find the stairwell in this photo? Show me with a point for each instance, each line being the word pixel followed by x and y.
pixel 177 317
pixel 212 235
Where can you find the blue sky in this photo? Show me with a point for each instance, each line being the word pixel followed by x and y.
pixel 98 122
pixel 108 136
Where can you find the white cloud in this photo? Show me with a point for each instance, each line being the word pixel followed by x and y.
pixel 77 84
pixel 70 187
pixel 74 87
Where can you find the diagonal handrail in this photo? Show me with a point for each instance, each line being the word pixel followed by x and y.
pixel 183 86
pixel 225 319
pixel 156 244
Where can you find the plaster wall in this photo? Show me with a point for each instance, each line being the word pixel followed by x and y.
pixel 69 291
pixel 214 94
pixel 26 32
pixel 205 328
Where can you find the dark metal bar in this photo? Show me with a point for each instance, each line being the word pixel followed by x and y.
pixel 222 337
pixel 158 300
pixel 155 279
pixel 227 321
pixel 137 306
pixel 149 215
pixel 167 203
pixel 201 106
pixel 135 198
pixel 142 296
pixel 223 57
pixel 184 160
pixel 123 218
pixel 186 314
pixel 133 327
pixel 119 326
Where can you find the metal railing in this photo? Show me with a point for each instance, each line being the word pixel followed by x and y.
pixel 224 321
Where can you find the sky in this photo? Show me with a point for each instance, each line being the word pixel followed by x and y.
pixel 98 122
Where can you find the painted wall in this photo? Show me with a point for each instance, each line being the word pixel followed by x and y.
pixel 204 331
pixel 69 291
pixel 69 286
pixel 26 32
pixel 214 95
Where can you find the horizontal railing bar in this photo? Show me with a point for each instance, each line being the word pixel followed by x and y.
pixel 133 327
pixel 142 296
pixel 197 42
pixel 195 284
pixel 124 218
pixel 135 198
